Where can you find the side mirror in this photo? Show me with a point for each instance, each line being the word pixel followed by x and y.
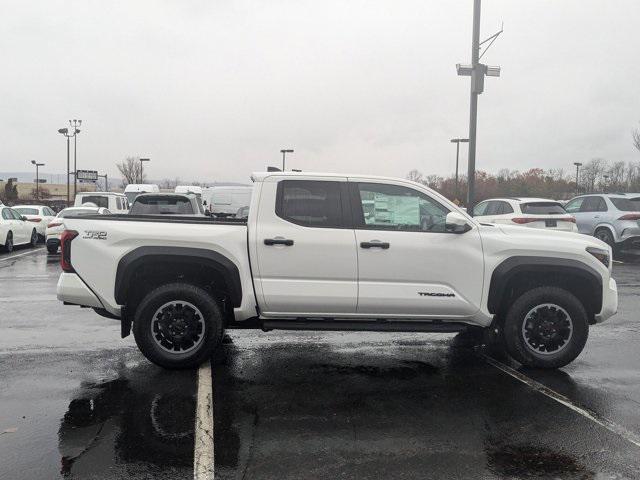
pixel 23 218
pixel 207 213
pixel 456 223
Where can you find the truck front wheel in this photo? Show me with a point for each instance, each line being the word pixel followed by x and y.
pixel 546 327
pixel 178 325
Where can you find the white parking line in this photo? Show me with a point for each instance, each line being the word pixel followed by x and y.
pixel 558 397
pixel 21 254
pixel 203 460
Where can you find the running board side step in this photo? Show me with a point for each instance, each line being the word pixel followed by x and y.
pixel 364 326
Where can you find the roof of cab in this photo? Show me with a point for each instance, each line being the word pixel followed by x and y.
pixel 260 176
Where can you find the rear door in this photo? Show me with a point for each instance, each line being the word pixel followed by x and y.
pixel 305 248
pixel 409 267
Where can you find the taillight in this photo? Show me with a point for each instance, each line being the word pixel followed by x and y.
pixel 35 220
pixel 54 224
pixel 568 219
pixel 65 247
pixel 630 216
pixel 521 220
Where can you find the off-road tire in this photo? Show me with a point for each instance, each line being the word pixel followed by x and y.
pixel 179 291
pixel 514 337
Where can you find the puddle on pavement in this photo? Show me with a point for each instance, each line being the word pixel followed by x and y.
pixel 144 416
pixel 406 371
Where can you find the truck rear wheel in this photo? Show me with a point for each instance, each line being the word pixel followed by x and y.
pixel 546 327
pixel 178 325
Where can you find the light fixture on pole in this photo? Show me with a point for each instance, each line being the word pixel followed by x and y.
pixel 284 152
pixel 65 132
pixel 74 127
pixel 458 141
pixel 33 162
pixel 143 160
pixel 477 72
pixel 578 165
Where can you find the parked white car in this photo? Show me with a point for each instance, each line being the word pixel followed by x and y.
pixel 39 215
pixel 15 229
pixel 527 212
pixel 56 227
pixel 112 201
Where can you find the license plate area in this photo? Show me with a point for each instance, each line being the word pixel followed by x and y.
pixel 551 223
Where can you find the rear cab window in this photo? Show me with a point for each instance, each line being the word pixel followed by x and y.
pixel 165 205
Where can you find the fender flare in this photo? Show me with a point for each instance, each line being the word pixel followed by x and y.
pixel 135 259
pixel 512 266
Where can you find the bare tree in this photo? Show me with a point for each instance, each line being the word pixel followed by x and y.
pixel 415 176
pixel 130 170
pixel 635 134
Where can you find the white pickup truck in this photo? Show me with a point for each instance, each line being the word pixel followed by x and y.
pixel 337 252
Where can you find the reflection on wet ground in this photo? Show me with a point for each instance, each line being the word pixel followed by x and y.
pixel 389 410
pixel 144 416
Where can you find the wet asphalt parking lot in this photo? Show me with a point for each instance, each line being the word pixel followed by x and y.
pixel 76 401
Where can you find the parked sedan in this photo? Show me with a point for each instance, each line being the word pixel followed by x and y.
pixel 39 215
pixel 56 227
pixel 613 218
pixel 528 212
pixel 15 229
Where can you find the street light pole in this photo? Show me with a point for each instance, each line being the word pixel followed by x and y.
pixel 284 152
pixel 578 165
pixel 143 160
pixel 457 141
pixel 65 132
pixel 33 162
pixel 477 71
pixel 75 124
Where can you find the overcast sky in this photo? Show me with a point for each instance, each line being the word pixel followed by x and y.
pixel 212 90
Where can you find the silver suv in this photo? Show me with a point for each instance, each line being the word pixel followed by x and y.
pixel 613 218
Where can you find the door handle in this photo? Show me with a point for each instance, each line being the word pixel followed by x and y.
pixel 382 245
pixel 278 241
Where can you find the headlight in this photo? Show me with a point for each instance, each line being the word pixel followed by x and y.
pixel 601 254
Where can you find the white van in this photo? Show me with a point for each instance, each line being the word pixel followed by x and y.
pixel 112 201
pixel 133 189
pixel 195 189
pixel 225 201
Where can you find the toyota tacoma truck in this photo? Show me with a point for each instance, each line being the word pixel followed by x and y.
pixel 337 252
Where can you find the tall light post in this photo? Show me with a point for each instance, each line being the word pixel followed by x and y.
pixel 477 72
pixel 33 162
pixel 143 160
pixel 606 182
pixel 458 141
pixel 284 152
pixel 74 127
pixel 578 165
pixel 65 132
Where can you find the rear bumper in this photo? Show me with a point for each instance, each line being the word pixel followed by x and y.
pixel 609 301
pixel 71 289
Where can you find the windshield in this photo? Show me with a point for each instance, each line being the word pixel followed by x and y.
pixel 543 208
pixel 27 211
pixel 78 212
pixel 624 204
pixel 131 196
pixel 162 206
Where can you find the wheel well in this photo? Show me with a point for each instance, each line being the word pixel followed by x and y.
pixel 147 268
pixel 507 287
pixel 607 227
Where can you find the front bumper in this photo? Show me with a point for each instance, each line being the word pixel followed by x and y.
pixel 71 289
pixel 609 301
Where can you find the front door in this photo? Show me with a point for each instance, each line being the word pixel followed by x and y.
pixel 408 265
pixel 305 249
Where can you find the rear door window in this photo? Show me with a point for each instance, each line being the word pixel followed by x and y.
pixel 310 203
pixel 593 204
